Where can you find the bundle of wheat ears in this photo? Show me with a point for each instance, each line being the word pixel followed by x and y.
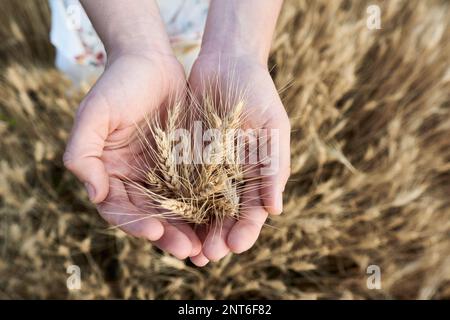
pixel 197 183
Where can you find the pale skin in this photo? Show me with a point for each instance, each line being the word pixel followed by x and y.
pixel 141 74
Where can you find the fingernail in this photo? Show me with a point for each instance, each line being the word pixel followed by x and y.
pixel 91 191
pixel 279 203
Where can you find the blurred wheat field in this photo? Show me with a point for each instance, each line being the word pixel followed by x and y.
pixel 370 184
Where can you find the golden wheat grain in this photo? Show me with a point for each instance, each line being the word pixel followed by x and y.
pixel 188 211
pixel 166 164
pixel 195 192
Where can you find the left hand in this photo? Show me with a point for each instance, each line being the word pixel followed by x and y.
pixel 263 109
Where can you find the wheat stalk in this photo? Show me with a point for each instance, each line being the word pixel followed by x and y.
pixel 197 193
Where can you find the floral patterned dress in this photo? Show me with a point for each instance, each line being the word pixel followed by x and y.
pixel 80 52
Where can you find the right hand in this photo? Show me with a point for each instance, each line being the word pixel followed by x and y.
pixel 98 153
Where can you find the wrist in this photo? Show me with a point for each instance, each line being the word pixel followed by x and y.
pixel 138 46
pixel 128 27
pixel 235 49
pixel 241 29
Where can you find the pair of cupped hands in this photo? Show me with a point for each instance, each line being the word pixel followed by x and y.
pixel 132 87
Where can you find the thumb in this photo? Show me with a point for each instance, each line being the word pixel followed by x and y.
pixel 85 147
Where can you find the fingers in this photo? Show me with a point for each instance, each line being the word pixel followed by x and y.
pixel 120 212
pixel 199 260
pixel 215 245
pixel 275 176
pixel 246 230
pixel 180 230
pixel 195 241
pixel 175 242
pixel 85 147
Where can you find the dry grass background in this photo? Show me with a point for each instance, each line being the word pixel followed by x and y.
pixel 370 112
